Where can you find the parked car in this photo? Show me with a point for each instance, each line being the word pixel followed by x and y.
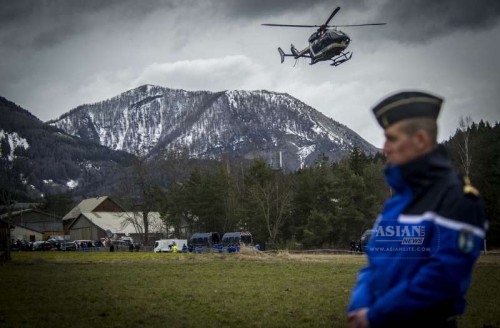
pixel 56 241
pixel 21 245
pixel 41 246
pixel 121 245
pixel 83 244
pixel 365 238
pixel 68 246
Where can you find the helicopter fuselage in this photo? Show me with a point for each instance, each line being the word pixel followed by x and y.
pixel 328 44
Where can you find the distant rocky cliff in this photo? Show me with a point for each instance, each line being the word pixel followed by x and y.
pixel 151 119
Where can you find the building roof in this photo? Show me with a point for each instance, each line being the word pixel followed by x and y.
pixel 121 222
pixel 5 216
pixel 18 206
pixel 86 205
pixel 26 228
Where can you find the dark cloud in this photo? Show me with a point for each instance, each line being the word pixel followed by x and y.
pixel 412 21
pixel 244 8
pixel 45 23
pixel 263 8
pixel 409 21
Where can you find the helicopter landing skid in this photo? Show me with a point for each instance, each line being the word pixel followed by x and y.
pixel 341 58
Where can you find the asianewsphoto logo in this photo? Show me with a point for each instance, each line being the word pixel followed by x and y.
pixel 411 235
pixel 392 239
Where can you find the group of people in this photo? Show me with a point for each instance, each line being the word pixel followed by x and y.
pixel 132 247
pixel 430 232
pixel 175 249
pixel 356 246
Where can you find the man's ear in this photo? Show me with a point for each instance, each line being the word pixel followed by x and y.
pixel 422 140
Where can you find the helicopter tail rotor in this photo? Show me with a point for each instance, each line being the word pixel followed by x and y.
pixel 282 54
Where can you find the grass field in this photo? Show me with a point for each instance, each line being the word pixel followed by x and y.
pixel 248 289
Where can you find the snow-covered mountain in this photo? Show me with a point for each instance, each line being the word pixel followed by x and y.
pixel 37 159
pixel 151 119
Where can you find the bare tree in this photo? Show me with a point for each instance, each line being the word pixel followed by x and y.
pixel 464 144
pixel 139 188
pixel 137 221
pixel 281 201
pixel 271 193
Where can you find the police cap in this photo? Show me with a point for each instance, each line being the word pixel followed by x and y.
pixel 407 104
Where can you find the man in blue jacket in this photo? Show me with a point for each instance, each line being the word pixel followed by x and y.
pixel 430 232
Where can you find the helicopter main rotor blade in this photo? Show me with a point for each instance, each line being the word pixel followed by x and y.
pixel 323 26
pixel 348 25
pixel 335 11
pixel 290 25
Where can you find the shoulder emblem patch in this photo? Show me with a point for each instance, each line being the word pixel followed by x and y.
pixel 466 241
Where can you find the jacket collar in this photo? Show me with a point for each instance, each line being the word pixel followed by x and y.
pixel 420 172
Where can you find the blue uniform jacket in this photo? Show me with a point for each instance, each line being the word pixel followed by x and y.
pixel 423 248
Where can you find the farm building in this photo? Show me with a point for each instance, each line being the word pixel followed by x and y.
pixel 97 225
pixel 24 233
pixel 102 217
pixel 34 224
pixel 97 204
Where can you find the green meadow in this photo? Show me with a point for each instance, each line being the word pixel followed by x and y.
pixel 248 289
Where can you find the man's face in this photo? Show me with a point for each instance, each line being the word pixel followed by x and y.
pixel 399 146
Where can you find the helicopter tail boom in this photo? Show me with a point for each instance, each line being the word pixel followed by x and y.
pixel 294 53
pixel 283 55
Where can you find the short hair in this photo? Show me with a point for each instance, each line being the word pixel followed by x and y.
pixel 429 125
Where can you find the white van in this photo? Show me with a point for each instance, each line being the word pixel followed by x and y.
pixel 163 245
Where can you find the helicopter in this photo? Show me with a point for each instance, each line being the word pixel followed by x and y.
pixel 327 43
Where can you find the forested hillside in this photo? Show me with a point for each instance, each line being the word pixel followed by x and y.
pixel 475 151
pixel 325 205
pixel 38 159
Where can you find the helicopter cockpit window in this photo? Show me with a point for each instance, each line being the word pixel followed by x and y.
pixel 334 34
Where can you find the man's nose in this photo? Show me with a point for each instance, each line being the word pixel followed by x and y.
pixel 387 149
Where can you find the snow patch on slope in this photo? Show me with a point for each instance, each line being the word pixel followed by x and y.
pixel 14 141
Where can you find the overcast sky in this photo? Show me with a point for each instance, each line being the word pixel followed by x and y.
pixel 58 54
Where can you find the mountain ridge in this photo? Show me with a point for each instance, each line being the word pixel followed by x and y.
pixel 38 159
pixel 150 119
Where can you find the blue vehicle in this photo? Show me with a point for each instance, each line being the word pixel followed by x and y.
pixel 237 239
pixel 203 241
